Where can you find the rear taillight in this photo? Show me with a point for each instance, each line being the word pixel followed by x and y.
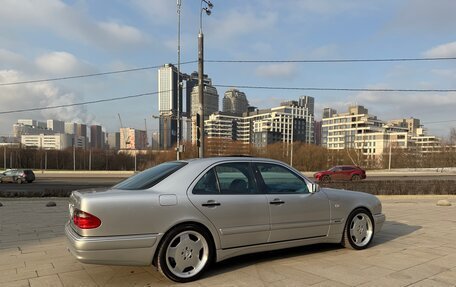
pixel 85 220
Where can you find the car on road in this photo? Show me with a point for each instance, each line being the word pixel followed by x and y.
pixel 341 172
pixel 17 176
pixel 182 216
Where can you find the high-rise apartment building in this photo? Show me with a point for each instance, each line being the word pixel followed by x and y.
pixel 308 102
pixel 287 123
pixel 168 105
pixel 235 101
pixel 411 124
pixel 358 130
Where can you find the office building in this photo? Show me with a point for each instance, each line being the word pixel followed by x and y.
pixel 113 140
pixel 56 126
pixel 132 139
pixel 235 101
pixel 167 105
pixel 48 142
pixel 211 105
pixel 96 137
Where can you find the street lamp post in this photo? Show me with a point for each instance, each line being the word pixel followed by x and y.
pixel 200 134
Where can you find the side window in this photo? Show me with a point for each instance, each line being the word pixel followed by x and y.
pixel 207 184
pixel 278 179
pixel 347 168
pixel 236 178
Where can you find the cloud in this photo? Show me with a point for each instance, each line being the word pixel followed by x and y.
pixel 60 63
pixel 442 51
pixel 10 57
pixel 425 16
pixel 278 71
pixel 428 107
pixel 18 97
pixel 236 24
pixel 68 22
pixel 327 6
pixel 157 11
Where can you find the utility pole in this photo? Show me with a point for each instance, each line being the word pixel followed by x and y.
pixel 389 162
pixel 200 132
pixel 74 157
pixel 178 149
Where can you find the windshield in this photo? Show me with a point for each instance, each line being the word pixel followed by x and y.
pixel 149 177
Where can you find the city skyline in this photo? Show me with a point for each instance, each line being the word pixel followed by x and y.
pixel 82 37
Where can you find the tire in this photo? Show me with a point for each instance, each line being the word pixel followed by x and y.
pixel 185 253
pixel 359 230
pixel 355 177
pixel 19 180
pixel 325 178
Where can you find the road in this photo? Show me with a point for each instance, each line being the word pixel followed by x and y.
pixel 60 184
pixel 64 184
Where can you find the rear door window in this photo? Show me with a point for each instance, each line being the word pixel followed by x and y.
pixel 236 178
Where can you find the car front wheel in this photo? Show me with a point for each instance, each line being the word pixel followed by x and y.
pixel 355 177
pixel 359 230
pixel 185 253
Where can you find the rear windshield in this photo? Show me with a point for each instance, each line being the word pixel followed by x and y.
pixel 149 177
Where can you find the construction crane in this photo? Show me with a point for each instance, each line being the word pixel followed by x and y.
pixel 125 132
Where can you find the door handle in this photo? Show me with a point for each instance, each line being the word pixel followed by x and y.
pixel 277 201
pixel 211 203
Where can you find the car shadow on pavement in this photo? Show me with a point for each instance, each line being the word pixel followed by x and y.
pixel 391 230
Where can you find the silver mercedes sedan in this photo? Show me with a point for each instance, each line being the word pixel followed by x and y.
pixel 182 216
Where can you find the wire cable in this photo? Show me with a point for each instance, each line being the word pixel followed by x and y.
pixel 336 89
pixel 335 60
pixel 230 61
pixel 87 75
pixel 80 104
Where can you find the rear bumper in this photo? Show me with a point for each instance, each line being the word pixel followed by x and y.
pixel 379 219
pixel 113 250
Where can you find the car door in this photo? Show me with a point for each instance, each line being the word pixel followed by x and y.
pixel 8 176
pixel 228 196
pixel 347 172
pixel 295 213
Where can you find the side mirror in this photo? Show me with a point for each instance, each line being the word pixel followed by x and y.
pixel 313 187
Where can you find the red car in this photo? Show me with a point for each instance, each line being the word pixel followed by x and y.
pixel 341 172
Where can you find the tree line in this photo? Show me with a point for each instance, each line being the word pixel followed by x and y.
pixel 304 157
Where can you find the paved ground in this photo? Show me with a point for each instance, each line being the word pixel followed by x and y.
pixel 415 248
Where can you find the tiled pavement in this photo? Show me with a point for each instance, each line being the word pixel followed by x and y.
pixel 416 248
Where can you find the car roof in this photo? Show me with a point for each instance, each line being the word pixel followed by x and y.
pixel 212 160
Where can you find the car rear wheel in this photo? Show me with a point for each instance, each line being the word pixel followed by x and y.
pixel 359 230
pixel 19 180
pixel 355 177
pixel 185 253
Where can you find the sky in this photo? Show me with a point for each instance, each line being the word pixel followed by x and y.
pixel 53 38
